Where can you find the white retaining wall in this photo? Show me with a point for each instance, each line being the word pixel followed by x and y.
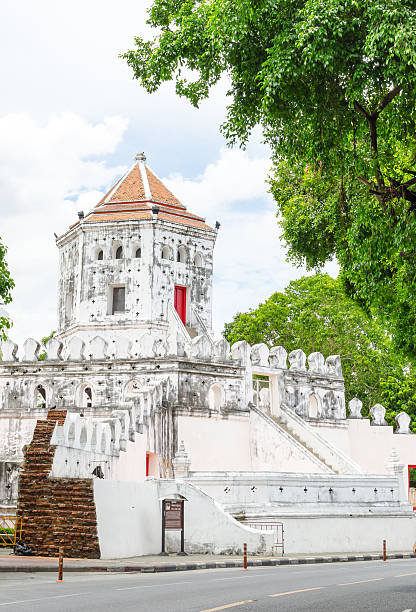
pixel 345 534
pixel 129 521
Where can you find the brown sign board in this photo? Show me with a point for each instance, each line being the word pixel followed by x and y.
pixel 173 514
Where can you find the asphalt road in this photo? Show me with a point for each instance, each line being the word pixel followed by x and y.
pixel 355 587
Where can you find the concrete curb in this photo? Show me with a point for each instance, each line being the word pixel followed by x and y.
pixel 180 567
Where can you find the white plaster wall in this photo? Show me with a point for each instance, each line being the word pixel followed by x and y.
pixel 264 493
pixel 272 451
pixel 129 521
pixel 128 466
pixel 149 280
pixel 128 518
pixel 326 534
pixel 15 432
pixel 131 464
pixel 370 446
pixel 216 443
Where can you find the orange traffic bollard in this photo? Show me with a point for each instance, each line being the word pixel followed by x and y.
pixel 384 551
pixel 61 565
pixel 245 556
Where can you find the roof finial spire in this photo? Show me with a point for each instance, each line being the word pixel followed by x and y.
pixel 140 157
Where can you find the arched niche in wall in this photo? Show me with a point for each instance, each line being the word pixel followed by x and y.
pixel 166 252
pixel 98 253
pixel 216 397
pixel 132 388
pixel 198 260
pixel 313 406
pixel 40 396
pixel 84 396
pixel 117 250
pixel 181 254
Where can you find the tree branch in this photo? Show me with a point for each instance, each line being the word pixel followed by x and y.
pixel 366 182
pixel 361 110
pixel 386 100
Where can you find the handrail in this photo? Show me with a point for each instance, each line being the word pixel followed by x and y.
pixel 181 327
pixel 292 417
pixel 202 324
pixel 292 440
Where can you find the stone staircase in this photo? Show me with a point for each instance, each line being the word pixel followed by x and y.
pixel 294 435
pixel 332 456
pixel 191 331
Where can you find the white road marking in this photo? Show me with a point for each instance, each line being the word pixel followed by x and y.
pixel 10 603
pixel 238 577
pixel 297 591
pixel 360 581
pixel 400 575
pixel 151 586
pixel 231 605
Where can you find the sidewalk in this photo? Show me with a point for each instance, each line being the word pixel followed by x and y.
pixel 155 563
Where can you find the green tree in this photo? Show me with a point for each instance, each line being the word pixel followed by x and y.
pixel 313 313
pixel 6 286
pixel 333 85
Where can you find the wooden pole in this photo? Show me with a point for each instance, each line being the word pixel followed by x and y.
pixel 245 556
pixel 384 551
pixel 60 565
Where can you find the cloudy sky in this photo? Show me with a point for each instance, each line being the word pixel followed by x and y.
pixel 71 121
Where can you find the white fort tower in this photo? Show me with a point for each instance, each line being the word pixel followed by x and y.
pixel 136 263
pixel 133 402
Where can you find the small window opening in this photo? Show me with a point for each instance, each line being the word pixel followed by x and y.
pixel 165 252
pixel 40 397
pixel 98 472
pixel 119 299
pixel 138 253
pixel 181 254
pixel 119 252
pixel 198 260
pixel 100 255
pixel 87 399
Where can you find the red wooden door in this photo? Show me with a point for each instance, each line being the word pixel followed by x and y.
pixel 180 302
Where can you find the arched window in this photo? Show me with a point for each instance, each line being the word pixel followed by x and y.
pixel 119 252
pixel 181 254
pixel 100 255
pixel 198 261
pixel 40 397
pixel 165 252
pixel 138 253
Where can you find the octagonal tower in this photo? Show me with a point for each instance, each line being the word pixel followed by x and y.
pixel 137 262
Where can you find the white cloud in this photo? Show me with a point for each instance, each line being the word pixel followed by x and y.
pixel 250 261
pixel 46 176
pixel 63 138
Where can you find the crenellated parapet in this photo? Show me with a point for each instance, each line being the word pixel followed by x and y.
pixel 103 373
pixel 312 386
pixel 100 348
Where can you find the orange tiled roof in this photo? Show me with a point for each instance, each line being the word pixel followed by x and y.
pixel 133 196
